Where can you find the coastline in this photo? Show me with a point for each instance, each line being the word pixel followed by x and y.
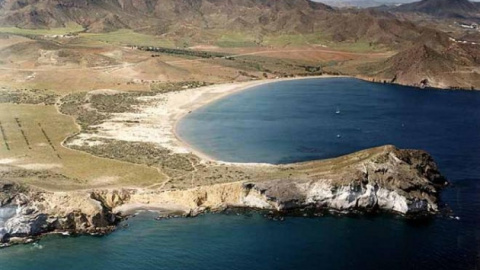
pixel 156 118
pixel 210 96
pixel 216 92
pixel 211 184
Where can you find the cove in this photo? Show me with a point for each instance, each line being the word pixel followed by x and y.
pixel 292 121
pixel 295 121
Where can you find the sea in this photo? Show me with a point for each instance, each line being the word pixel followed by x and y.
pixel 293 121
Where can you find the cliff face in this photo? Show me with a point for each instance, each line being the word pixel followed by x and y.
pixel 401 181
pixel 27 212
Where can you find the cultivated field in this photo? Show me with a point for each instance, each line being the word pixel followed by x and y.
pixel 31 152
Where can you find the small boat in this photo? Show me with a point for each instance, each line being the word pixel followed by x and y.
pixel 339 136
pixel 338 111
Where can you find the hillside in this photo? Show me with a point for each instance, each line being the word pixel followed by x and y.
pixel 206 20
pixel 419 64
pixel 443 8
pixel 161 16
pixel 372 26
pixel 319 37
pixel 422 65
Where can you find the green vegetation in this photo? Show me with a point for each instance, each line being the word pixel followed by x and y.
pixel 70 28
pixel 256 66
pixel 182 52
pixel 283 40
pixel 184 42
pixel 296 39
pixel 142 153
pixel 128 37
pixel 236 40
pixel 90 110
pixel 225 39
pixel 360 46
pixel 319 39
pixel 118 103
pixel 165 87
pixel 74 105
pixel 27 96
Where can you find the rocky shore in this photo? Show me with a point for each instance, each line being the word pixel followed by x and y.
pixel 406 182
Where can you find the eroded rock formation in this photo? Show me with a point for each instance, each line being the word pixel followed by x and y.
pixel 380 179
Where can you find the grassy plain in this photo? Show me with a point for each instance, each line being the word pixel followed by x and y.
pixel 34 154
pixel 126 37
pixel 71 28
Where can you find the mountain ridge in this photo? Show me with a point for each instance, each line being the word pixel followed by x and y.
pixel 200 19
pixel 207 22
pixel 461 9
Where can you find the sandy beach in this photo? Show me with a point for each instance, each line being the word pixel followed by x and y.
pixel 197 98
pixel 155 121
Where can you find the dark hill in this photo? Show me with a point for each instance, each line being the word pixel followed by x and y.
pixel 199 19
pixel 443 8
pixel 442 67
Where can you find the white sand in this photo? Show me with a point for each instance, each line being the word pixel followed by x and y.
pixel 156 122
pixel 40 166
pixel 5 161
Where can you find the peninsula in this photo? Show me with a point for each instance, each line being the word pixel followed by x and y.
pixel 37 198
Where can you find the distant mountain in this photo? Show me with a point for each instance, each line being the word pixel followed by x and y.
pixel 443 8
pixel 374 26
pixel 162 15
pixel 363 3
pixel 423 53
pixel 201 20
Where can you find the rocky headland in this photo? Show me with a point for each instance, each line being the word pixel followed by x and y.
pixel 139 128
pixel 381 179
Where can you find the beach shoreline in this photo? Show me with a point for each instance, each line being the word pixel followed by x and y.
pixel 195 183
pixel 212 94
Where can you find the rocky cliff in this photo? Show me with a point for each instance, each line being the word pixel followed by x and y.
pixel 384 178
pixel 380 179
pixel 27 212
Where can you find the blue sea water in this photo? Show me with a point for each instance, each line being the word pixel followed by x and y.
pixel 296 121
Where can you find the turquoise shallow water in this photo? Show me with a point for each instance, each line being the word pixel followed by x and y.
pixel 294 121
